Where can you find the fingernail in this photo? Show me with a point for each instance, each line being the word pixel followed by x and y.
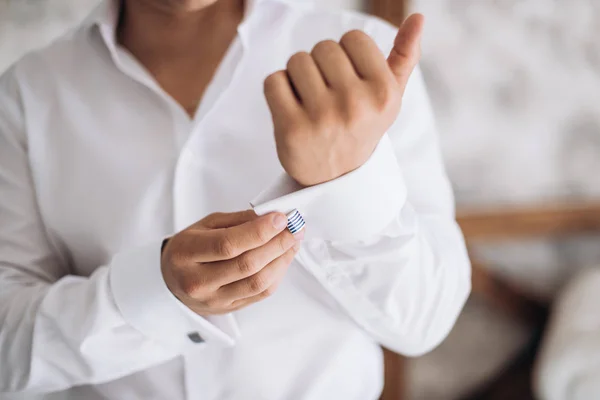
pixel 279 221
pixel 299 236
pixel 296 247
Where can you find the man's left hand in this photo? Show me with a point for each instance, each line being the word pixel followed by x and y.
pixel 331 107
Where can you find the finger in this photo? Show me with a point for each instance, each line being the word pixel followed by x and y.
pixel 239 304
pixel 307 80
pixel 253 261
pixel 226 220
pixel 407 48
pixel 228 243
pixel 260 282
pixel 334 64
pixel 282 101
pixel 367 58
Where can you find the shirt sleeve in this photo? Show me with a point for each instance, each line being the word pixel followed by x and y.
pixel 383 239
pixel 58 330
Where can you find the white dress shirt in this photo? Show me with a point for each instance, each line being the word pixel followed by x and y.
pixel 98 164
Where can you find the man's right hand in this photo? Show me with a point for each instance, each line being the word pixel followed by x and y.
pixel 225 262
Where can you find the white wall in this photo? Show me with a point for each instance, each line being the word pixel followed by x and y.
pixel 516 86
pixel 516 90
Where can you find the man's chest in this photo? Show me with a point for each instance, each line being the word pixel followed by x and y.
pixel 119 169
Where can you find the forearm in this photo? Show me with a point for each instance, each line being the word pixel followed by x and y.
pixel 55 335
pixel 67 333
pixel 405 287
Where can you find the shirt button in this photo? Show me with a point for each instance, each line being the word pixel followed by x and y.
pixel 195 337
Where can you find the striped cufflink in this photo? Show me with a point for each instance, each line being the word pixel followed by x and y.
pixel 295 222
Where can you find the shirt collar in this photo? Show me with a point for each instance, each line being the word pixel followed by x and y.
pixel 106 17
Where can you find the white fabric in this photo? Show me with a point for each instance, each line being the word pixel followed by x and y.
pixel 568 365
pixel 98 164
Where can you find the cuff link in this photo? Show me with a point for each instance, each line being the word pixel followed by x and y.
pixel 195 337
pixel 295 221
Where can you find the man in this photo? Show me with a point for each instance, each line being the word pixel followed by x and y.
pixel 150 122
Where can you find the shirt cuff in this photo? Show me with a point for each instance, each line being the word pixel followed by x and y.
pixel 355 206
pixel 146 303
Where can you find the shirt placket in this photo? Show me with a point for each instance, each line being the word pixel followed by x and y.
pixel 187 134
pixel 198 128
pixel 190 134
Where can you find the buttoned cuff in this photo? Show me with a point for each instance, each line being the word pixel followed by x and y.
pixel 355 206
pixel 145 302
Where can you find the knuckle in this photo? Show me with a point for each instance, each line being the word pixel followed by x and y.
pixel 213 303
pixel 298 59
pixel 210 220
pixel 175 253
pixel 273 80
pixel 247 264
pixel 173 256
pixel 262 232
pixel 257 283
pixel 225 247
pixel 193 288
pixel 324 47
pixel 353 36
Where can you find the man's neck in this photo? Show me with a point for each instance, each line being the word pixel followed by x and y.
pixel 151 28
pixel 181 43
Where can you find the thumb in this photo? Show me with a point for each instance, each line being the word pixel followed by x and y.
pixel 226 220
pixel 407 48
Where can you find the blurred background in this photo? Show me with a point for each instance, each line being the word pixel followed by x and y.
pixel 515 86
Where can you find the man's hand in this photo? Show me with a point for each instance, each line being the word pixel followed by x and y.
pixel 331 107
pixel 228 261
